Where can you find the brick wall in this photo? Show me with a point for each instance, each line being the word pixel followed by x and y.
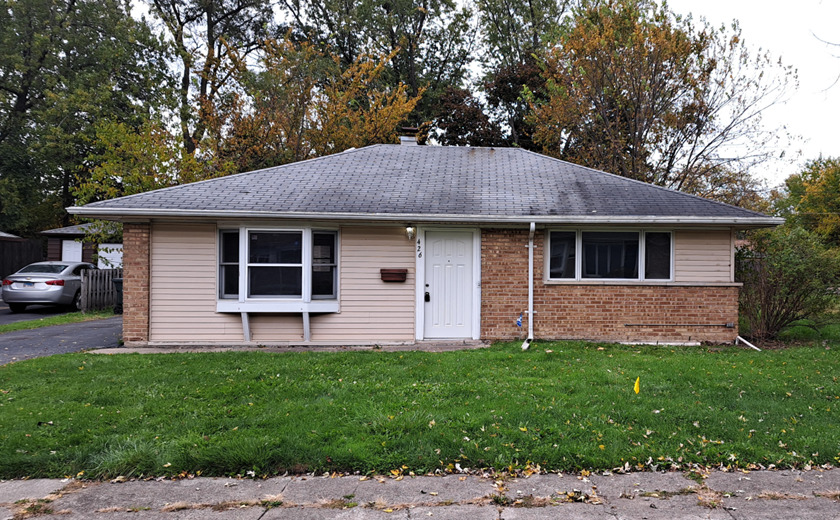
pixel 135 283
pixel 669 313
pixel 504 283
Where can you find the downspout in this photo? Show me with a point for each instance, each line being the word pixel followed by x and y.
pixel 530 287
pixel 745 342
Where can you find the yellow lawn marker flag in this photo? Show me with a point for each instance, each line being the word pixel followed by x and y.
pixel 636 386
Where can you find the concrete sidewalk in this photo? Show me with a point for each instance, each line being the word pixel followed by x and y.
pixel 722 495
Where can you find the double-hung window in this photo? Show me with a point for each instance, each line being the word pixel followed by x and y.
pixel 229 264
pixel 610 255
pixel 277 265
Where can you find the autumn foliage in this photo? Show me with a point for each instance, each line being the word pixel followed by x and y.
pixel 299 104
pixel 813 198
pixel 635 90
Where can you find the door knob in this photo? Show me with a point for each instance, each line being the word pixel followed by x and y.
pixel 428 299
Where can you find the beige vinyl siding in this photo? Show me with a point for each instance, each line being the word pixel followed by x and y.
pixel 183 285
pixel 182 288
pixel 276 327
pixel 703 256
pixel 371 310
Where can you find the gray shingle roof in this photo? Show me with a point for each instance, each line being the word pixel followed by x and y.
pixel 428 183
pixel 77 230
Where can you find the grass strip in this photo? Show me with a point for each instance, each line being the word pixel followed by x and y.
pixel 565 406
pixel 59 319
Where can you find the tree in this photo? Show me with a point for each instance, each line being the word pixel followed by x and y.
pixel 432 40
pixel 515 36
pixel 295 104
pixel 353 112
pixel 64 65
pixel 812 198
pixel 135 160
pixel 513 31
pixel 202 33
pixel 130 160
pixel 731 187
pixel 788 275
pixel 302 105
pixel 266 119
pixel 461 121
pixel 338 25
pixel 510 92
pixel 635 90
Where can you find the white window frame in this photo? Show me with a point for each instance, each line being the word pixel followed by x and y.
pixel 578 278
pixel 245 255
pixel 305 303
pixel 333 264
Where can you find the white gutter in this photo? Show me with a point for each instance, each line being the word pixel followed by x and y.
pixel 530 287
pixel 123 213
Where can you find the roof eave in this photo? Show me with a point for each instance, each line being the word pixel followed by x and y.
pixel 144 213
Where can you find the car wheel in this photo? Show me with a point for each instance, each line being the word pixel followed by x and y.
pixel 17 307
pixel 77 301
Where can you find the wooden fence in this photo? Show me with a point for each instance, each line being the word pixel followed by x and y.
pixel 98 291
pixel 17 253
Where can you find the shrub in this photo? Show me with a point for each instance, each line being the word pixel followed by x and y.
pixel 788 275
pixel 799 333
pixel 830 332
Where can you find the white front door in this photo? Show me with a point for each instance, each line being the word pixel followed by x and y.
pixel 71 251
pixel 448 287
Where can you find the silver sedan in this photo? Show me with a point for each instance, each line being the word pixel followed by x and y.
pixel 45 283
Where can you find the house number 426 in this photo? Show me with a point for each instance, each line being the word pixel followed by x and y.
pixel 419 249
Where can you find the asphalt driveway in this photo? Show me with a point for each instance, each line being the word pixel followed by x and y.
pixel 60 339
pixel 33 312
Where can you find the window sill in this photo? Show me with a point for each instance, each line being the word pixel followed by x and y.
pixel 657 283
pixel 277 306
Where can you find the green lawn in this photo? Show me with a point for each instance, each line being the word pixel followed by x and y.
pixel 564 406
pixel 58 319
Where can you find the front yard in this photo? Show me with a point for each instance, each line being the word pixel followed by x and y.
pixel 563 406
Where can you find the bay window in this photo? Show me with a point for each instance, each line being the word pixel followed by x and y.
pixel 609 255
pixel 277 265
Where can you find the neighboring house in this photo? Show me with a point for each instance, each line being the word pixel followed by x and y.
pixel 16 252
pixel 66 244
pixel 396 244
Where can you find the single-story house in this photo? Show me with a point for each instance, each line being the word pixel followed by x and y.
pixel 404 243
pixel 66 244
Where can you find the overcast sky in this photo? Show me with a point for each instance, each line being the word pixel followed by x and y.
pixel 791 31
